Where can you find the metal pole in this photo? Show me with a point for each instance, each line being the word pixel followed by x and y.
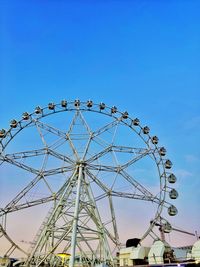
pixel 75 222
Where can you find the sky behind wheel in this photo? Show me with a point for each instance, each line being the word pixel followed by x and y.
pixel 142 56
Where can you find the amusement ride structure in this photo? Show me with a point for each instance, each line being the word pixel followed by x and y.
pixel 75 162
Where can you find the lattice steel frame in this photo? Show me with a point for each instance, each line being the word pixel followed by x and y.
pixel 81 208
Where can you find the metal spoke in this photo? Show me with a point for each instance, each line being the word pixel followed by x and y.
pixel 58 170
pixel 60 156
pixel 18 164
pixel 127 149
pixel 90 136
pixel 140 151
pixel 130 162
pixel 41 136
pixel 72 147
pixel 49 128
pixel 27 154
pixel 137 185
pixel 135 196
pixel 26 205
pixel 100 154
pixel 12 204
pixel 97 181
pixel 113 220
pixel 105 168
pixel 37 152
pixel 106 127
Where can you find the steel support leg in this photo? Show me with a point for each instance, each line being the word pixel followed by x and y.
pixel 75 222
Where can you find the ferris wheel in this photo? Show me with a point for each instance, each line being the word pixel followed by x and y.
pixel 71 171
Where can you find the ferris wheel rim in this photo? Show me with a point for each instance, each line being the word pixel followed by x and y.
pixel 124 116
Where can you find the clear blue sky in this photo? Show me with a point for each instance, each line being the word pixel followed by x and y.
pixel 142 56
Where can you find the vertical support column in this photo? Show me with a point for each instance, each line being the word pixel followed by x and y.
pixel 4 220
pixel 76 212
pixel 162 233
pixel 43 237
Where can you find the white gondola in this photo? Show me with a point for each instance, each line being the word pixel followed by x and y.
pixel 168 164
pixel 172 210
pixel 77 103
pixel 125 115
pixel 25 116
pixel 171 178
pixel 102 106
pixel 167 228
pixel 136 122
pixel 13 124
pixel 89 103
pixel 113 109
pixel 51 106
pixel 64 103
pixel 2 133
pixel 173 194
pixel 162 151
pixel 38 110
pixel 154 140
pixel 146 130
